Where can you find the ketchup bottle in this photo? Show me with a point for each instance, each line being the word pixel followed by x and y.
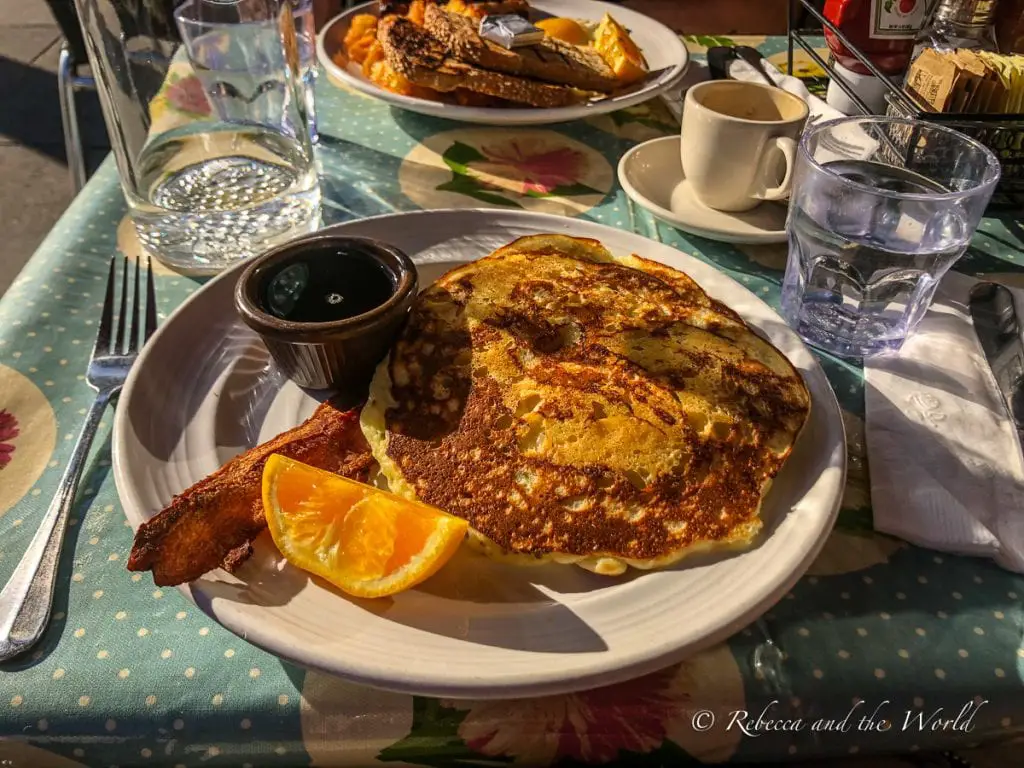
pixel 883 31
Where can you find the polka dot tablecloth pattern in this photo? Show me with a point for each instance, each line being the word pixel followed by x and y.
pixel 130 674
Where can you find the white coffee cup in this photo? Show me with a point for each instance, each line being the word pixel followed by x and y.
pixel 739 142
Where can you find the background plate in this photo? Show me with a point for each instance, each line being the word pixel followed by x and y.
pixel 203 390
pixel 660 45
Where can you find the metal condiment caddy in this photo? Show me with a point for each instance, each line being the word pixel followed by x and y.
pixel 1002 133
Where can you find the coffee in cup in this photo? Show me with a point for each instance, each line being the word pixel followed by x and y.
pixel 739 142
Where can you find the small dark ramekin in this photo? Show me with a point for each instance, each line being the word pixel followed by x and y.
pixel 339 354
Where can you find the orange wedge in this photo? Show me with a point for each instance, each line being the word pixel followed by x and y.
pixel 365 541
pixel 617 48
pixel 566 30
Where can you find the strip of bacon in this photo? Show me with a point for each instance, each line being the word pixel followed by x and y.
pixel 213 523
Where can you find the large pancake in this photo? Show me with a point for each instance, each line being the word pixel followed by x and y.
pixel 584 409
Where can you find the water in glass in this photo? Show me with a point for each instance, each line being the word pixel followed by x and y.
pixel 868 242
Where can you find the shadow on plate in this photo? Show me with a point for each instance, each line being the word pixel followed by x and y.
pixel 471 599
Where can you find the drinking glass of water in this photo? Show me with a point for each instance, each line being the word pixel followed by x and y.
pixel 881 208
pixel 207 116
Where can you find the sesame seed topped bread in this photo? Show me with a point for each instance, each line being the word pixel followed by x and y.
pixel 578 407
pixel 425 61
pixel 550 60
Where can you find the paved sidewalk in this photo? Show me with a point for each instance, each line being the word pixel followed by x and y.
pixel 35 186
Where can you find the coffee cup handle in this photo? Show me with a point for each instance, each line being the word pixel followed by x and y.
pixel 787 147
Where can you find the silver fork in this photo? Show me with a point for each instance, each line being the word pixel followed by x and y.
pixel 26 600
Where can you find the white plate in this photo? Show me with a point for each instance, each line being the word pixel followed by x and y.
pixel 651 174
pixel 660 45
pixel 200 393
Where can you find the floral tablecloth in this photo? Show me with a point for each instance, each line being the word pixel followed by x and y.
pixel 881 647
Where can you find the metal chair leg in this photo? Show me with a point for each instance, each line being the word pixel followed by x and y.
pixel 66 82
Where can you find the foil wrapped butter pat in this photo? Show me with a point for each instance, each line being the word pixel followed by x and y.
pixel 510 31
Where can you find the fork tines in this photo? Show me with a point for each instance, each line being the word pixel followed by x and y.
pixel 119 335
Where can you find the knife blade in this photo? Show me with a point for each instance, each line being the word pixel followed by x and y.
pixel 998 322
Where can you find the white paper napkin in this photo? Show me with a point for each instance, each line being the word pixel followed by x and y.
pixel 945 460
pixel 741 70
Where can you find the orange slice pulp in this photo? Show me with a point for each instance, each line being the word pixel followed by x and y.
pixel 365 541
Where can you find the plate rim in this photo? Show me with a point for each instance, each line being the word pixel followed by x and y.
pixel 665 215
pixel 547 683
pixel 501 116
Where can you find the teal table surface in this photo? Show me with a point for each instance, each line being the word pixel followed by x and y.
pixel 881 647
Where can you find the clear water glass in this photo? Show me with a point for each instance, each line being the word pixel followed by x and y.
pixel 207 116
pixel 881 208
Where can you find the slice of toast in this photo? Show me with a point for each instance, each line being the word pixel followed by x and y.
pixel 424 60
pixel 551 60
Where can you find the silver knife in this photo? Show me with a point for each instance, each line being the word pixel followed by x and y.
pixel 999 323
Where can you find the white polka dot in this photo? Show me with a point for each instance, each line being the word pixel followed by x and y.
pixel 157 594
pixel 123 674
pixel 1012 595
pixel 979 631
pixel 900 596
pixel 843 654
pixel 150 700
pixel 803 632
pixel 1000 672
pixel 111 725
pixel 978 580
pixel 180 615
pixel 136 577
pixel 204 631
pixel 844 595
pixel 80 632
pixel 16 701
pixel 868 580
pixel 880 673
pixel 57 674
pixel 43 724
pixel 246 724
pixel 818 674
pixel 254 672
pixel 113 556
pixel 102 655
pixel 217 700
pixel 190 672
pixel 999 615
pixel 1020 652
pixel 77 577
pixel 142 632
pixel 97 594
pixel 213 752
pixel 1005 722
pixel 78 752
pixel 957 596
pixel 146 752
pixel 229 653
pixel 279 750
pixel 942 614
pixel 120 615
pixel 862 632
pixel 166 653
pixel 962 653
pixel 83 701
pixel 94 540
pixel 920 632
pixel 903 653
pixel 940 673
pixel 885 616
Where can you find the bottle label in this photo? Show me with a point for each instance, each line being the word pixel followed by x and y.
pixel 897 19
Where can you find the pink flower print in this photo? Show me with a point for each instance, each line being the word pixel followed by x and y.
pixel 592 726
pixel 187 95
pixel 8 431
pixel 540 171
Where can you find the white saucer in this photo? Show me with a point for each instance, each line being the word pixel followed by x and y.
pixel 652 176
